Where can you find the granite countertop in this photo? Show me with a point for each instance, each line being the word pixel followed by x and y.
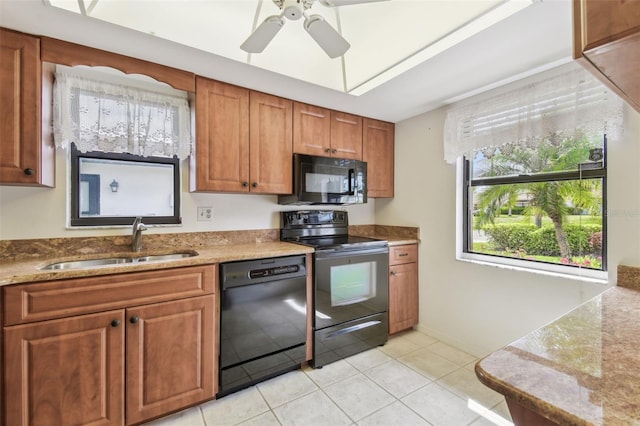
pixel 12 272
pixel 395 235
pixel 21 261
pixel 582 369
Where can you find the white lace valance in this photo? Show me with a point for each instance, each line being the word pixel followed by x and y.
pixel 100 115
pixel 571 103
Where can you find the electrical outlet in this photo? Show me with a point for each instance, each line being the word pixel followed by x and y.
pixel 205 214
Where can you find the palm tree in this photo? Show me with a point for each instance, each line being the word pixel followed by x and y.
pixel 554 199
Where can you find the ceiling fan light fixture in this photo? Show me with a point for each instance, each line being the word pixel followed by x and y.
pixel 263 35
pixel 326 36
pixel 291 9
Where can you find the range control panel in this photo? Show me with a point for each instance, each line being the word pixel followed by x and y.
pixel 335 218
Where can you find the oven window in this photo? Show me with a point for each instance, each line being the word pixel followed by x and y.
pixel 353 283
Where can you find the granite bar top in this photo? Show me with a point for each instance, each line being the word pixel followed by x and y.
pixel 582 369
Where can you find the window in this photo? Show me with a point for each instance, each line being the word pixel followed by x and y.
pixel 126 137
pixel 542 204
pixel 532 172
pixel 114 189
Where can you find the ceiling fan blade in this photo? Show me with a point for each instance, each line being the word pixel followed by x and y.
pixel 326 36
pixel 336 3
pixel 263 35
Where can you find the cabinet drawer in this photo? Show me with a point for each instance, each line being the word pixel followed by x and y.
pixel 403 254
pixel 56 299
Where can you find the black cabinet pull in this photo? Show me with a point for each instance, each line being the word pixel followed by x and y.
pixel 393 273
pixel 115 323
pixel 254 184
pixel 403 254
pixel 245 184
pixel 333 151
pixel 29 171
pixel 328 150
pixel 134 319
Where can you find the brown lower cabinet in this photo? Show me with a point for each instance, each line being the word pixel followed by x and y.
pixel 403 287
pixel 66 371
pixel 120 366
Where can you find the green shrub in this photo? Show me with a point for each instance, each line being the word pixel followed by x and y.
pixel 529 239
pixel 515 211
pixel 509 236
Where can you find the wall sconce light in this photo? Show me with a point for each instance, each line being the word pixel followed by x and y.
pixel 114 186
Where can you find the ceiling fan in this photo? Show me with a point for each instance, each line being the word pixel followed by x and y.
pixel 324 34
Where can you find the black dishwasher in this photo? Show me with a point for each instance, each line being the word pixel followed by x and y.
pixel 263 320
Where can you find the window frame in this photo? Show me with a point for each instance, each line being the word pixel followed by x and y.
pixel 465 219
pixel 75 220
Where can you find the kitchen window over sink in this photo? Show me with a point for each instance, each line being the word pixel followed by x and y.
pixel 532 172
pixel 125 136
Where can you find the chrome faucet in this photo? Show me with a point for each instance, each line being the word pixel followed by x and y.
pixel 136 237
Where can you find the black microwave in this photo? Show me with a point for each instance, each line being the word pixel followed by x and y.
pixel 324 180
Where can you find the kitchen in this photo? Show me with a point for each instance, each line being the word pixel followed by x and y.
pixel 472 307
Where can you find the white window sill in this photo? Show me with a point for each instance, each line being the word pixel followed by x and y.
pixel 558 271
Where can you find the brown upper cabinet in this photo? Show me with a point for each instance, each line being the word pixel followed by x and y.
pixel 607 42
pixel 27 157
pixel 270 144
pixel 311 130
pixel 243 140
pixel 221 156
pixel 327 133
pixel 346 135
pixel 378 152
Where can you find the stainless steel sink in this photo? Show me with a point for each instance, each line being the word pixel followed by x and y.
pixel 92 263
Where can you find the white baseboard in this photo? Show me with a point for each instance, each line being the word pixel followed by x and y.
pixel 476 351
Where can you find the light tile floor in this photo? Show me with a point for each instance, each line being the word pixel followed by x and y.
pixel 413 380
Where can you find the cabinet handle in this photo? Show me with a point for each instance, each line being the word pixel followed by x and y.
pixel 29 171
pixel 403 254
pixel 115 323
pixel 394 273
pixel 333 151
pixel 254 184
pixel 134 319
pixel 245 184
pixel 328 150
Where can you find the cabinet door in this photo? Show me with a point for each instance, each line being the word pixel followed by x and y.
pixel 403 297
pixel 66 372
pixel 604 21
pixel 271 144
pixel 378 151
pixel 619 63
pixel 170 356
pixel 21 149
pixel 346 135
pixel 311 130
pixel 222 138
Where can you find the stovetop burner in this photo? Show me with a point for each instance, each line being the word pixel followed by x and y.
pixel 340 241
pixel 323 230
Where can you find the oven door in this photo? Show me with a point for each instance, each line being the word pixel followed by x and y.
pixel 350 284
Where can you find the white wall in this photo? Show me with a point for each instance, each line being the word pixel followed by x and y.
pixel 30 213
pixel 481 308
